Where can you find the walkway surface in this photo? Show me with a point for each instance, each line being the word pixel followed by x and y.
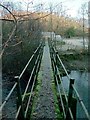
pixel 44 104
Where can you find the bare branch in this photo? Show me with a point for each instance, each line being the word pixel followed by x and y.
pixel 9 12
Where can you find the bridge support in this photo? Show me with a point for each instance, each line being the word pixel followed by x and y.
pixel 70 94
pixel 19 100
pixel 70 97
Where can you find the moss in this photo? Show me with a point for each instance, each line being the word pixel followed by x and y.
pixel 73 105
pixel 59 115
pixel 38 85
pixel 36 91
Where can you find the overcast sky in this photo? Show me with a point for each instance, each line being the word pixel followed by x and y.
pixel 73 5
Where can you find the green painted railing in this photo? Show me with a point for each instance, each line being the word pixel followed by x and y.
pixel 22 109
pixel 55 58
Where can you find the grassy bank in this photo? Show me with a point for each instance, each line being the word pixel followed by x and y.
pixel 75 61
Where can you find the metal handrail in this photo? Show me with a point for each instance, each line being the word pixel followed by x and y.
pixel 8 96
pixel 15 84
pixel 18 78
pixel 37 68
pixel 32 89
pixel 63 92
pixel 77 94
pixel 60 96
pixel 29 61
pixel 62 63
pixel 82 104
pixel 27 84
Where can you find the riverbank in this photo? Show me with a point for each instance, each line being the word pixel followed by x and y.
pixel 72 54
pixel 78 61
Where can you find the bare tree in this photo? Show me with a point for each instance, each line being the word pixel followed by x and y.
pixel 83 12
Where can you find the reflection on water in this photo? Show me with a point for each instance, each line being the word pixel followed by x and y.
pixel 81 84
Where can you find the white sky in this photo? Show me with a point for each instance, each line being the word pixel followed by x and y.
pixel 73 5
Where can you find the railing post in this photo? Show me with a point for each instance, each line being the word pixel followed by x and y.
pixel 70 95
pixel 56 61
pixel 19 99
pixel 56 57
pixel 41 52
pixel 55 65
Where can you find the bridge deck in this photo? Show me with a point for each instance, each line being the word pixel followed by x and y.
pixel 44 104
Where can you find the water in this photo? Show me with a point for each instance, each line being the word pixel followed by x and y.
pixel 10 107
pixel 81 84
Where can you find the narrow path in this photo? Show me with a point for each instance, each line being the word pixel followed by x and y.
pixel 44 104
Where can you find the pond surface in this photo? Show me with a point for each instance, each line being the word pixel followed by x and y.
pixel 82 86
